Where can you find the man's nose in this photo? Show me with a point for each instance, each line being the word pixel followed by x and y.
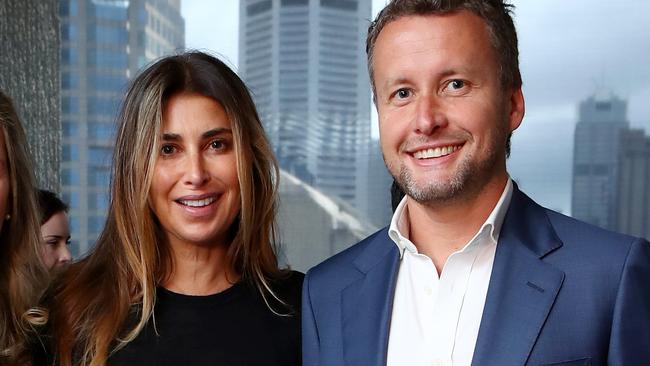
pixel 430 115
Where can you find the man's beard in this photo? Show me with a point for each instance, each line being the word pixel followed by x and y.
pixel 469 178
pixel 434 191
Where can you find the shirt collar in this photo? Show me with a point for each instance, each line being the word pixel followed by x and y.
pixel 400 226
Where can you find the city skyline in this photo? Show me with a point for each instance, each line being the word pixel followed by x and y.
pixel 566 55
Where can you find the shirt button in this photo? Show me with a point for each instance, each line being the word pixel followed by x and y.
pixel 436 362
pixel 428 291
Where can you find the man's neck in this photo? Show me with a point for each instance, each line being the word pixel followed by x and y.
pixel 441 229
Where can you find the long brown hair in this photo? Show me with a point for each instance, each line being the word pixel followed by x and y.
pixel 96 299
pixel 22 273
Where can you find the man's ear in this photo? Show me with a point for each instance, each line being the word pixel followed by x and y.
pixel 517 108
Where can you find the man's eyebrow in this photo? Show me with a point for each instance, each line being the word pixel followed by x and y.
pixel 395 81
pixel 443 74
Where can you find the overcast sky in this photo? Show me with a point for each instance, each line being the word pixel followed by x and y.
pixel 568 51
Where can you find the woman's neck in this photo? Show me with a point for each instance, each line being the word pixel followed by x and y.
pixel 199 270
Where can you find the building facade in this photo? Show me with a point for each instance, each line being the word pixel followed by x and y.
pixel 313 226
pixel 602 118
pixel 304 61
pixel 103 44
pixel 633 203
pixel 29 60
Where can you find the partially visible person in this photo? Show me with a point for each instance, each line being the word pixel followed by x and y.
pixel 185 270
pixel 22 274
pixel 55 230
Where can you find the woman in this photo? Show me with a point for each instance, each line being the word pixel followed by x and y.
pixel 22 274
pixel 55 230
pixel 185 270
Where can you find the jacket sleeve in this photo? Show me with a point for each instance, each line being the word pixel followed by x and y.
pixel 310 340
pixel 630 339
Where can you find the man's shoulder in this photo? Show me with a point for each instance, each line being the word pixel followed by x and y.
pixel 587 247
pixel 342 267
pixel 579 234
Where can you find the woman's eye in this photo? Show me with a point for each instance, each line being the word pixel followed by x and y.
pixel 217 144
pixel 167 149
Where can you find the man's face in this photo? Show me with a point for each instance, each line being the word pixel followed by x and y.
pixel 444 117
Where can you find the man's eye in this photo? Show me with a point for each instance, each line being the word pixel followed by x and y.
pixel 167 149
pixel 456 84
pixel 403 93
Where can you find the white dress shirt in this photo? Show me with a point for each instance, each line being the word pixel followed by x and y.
pixel 435 320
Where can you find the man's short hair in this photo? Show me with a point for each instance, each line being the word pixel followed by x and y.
pixel 497 15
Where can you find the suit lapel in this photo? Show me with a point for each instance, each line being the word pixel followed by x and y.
pixel 367 304
pixel 522 288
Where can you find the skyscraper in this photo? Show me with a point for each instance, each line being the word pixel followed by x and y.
pixel 633 203
pixel 103 44
pixel 595 174
pixel 304 61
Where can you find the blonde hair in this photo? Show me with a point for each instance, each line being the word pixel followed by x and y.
pixel 105 300
pixel 22 273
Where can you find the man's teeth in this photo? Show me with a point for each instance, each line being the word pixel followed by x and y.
pixel 436 153
pixel 198 203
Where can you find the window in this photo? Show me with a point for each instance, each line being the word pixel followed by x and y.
pixel 107 82
pixel 69 104
pixel 104 131
pixel 99 177
pixel 99 105
pixel 110 11
pixel 257 8
pixel 70 152
pixel 107 34
pixel 70 129
pixel 96 224
pixel 69 33
pixel 98 201
pixel 72 199
pixel 69 80
pixel 69 56
pixel 339 4
pixel 99 156
pixel 69 177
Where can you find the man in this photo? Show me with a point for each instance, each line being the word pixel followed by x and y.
pixel 471 271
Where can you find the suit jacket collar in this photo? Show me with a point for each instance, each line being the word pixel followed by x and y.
pixel 367 303
pixel 522 287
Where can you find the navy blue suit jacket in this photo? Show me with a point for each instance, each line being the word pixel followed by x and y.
pixel 562 292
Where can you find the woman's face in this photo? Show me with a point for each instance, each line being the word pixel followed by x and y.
pixel 195 188
pixel 4 180
pixel 56 238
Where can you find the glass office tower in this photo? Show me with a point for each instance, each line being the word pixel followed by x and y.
pixel 103 44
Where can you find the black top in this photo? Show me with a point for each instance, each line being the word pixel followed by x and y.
pixel 234 327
